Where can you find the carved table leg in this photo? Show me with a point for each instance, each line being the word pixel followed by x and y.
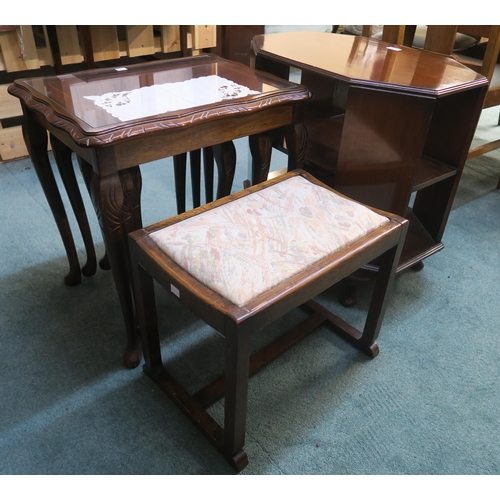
pixel 62 155
pixel 225 158
pixel 86 170
pixel 117 211
pixel 131 181
pixel 261 149
pixel 296 142
pixel 35 137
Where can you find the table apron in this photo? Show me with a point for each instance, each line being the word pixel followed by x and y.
pixel 170 142
pixel 143 148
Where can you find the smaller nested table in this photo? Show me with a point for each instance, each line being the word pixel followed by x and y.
pixel 115 119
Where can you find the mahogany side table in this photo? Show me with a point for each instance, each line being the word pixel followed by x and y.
pixel 388 125
pixel 115 119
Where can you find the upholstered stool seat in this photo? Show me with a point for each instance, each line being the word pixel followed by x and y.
pixel 246 260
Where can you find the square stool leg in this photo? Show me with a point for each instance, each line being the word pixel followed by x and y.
pixel 237 359
pixel 230 439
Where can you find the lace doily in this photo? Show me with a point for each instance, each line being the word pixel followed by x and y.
pixel 166 97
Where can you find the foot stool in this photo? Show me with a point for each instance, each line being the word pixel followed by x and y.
pixel 242 262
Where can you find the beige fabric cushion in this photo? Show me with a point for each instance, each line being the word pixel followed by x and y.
pixel 244 248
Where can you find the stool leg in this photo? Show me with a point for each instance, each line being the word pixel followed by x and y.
pixel 365 341
pixel 229 440
pixel 236 392
pixel 383 284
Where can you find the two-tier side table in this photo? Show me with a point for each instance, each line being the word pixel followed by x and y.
pixel 389 126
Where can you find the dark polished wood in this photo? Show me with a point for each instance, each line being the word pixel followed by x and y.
pixel 237 323
pixel 388 125
pixel 64 162
pixel 110 148
pixel 236 41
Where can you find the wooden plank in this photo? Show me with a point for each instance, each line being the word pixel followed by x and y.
pixel 491 54
pixel 158 45
pixel 140 41
pixel 46 55
pixel 440 38
pixel 12 144
pixel 477 31
pixel 69 44
pixel 105 43
pixel 393 34
pixel 492 97
pixel 11 51
pixel 484 148
pixel 204 36
pixel 366 30
pixel 170 38
pixel 28 47
pixel 10 106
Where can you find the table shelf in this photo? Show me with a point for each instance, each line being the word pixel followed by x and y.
pixel 324 140
pixel 418 245
pixel 431 171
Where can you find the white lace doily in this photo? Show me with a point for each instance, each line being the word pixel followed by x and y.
pixel 159 99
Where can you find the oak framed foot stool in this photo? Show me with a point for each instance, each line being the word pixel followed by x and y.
pixel 242 262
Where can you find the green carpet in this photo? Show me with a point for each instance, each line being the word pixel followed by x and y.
pixel 429 404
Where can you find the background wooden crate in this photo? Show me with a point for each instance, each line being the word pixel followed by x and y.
pixel 11 137
pixel 28 48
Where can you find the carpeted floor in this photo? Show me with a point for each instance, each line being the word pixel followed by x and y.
pixel 429 404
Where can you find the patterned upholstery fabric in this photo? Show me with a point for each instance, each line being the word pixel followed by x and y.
pixel 247 246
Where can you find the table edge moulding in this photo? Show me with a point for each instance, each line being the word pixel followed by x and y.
pixel 85 135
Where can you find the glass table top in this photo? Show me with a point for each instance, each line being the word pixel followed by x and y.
pixel 151 91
